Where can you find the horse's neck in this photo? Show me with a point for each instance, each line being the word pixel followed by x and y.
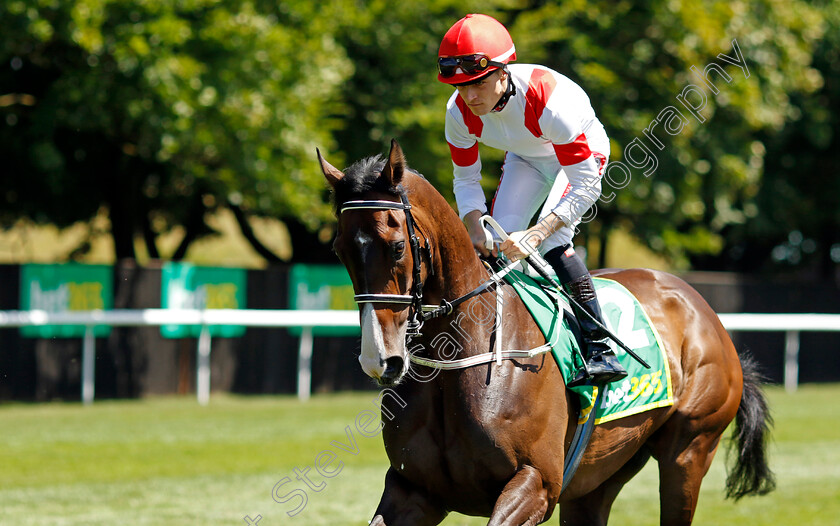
pixel 458 270
pixel 462 270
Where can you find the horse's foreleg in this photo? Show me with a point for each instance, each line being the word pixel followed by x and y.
pixel 404 505
pixel 524 500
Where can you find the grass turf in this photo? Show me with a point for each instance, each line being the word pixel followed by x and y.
pixel 169 461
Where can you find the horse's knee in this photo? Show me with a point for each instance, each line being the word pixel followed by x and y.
pixel 524 500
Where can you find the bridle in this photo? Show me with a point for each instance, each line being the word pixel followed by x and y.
pixel 418 312
pixel 415 298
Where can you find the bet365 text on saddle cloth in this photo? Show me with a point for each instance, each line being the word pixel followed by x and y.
pixel 643 389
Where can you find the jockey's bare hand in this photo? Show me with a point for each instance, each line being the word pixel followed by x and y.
pixel 477 236
pixel 520 245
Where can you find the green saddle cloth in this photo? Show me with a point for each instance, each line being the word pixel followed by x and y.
pixel 643 389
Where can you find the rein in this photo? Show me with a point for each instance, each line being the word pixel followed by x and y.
pixel 419 312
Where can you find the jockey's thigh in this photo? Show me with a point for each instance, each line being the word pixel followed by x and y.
pixel 563 236
pixel 526 187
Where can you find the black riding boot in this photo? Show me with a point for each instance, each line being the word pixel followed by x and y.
pixel 602 366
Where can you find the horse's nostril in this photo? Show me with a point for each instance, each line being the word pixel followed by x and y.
pixel 393 367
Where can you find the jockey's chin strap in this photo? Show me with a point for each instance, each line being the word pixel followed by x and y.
pixel 510 91
pixel 419 312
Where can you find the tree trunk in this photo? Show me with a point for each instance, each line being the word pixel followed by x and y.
pixel 149 238
pixel 306 248
pixel 122 194
pixel 249 234
pixel 194 227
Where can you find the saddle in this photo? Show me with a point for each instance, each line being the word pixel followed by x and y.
pixel 643 389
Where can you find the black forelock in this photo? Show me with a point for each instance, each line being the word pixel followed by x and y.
pixel 362 177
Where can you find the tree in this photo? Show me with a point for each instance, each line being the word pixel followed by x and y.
pixel 394 91
pixel 683 190
pixel 162 111
pixel 798 221
pixel 634 60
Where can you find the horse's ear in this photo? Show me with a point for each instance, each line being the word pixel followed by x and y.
pixel 395 167
pixel 333 174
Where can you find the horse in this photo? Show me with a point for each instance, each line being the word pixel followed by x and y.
pixel 490 439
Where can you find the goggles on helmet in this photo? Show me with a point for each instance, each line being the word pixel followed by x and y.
pixel 469 64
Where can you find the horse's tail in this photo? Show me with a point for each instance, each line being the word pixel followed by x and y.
pixel 751 474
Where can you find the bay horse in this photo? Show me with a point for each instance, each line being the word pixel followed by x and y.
pixel 490 439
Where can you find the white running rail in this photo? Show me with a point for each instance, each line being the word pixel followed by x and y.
pixel 791 324
pixel 306 319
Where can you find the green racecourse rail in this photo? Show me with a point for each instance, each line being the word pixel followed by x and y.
pixel 791 324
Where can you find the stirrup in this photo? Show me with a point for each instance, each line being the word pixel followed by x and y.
pixel 585 376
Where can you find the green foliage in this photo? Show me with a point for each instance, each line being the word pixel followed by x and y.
pixel 799 199
pixel 394 90
pixel 163 110
pixel 635 59
pixel 155 104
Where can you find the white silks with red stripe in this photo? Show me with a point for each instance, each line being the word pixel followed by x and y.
pixel 550 119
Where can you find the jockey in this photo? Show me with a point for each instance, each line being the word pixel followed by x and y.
pixel 556 151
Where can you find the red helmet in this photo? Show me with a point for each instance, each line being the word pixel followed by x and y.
pixel 475 46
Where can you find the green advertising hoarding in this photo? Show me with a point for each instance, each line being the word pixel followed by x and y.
pixel 187 286
pixel 63 288
pixel 322 287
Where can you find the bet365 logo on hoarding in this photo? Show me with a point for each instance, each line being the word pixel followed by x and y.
pixel 65 288
pixel 186 286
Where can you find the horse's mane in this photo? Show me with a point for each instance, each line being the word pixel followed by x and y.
pixel 362 177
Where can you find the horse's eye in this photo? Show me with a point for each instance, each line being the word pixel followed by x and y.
pixel 398 249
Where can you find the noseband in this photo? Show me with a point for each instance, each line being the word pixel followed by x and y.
pixel 416 315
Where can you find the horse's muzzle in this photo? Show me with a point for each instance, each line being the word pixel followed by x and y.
pixel 393 371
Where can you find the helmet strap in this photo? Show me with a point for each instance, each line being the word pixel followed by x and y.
pixel 510 91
